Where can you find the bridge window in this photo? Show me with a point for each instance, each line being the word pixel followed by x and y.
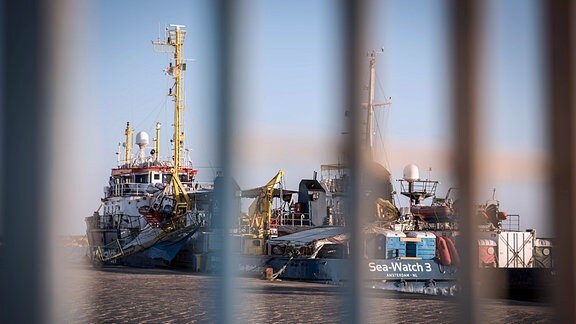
pixel 141 178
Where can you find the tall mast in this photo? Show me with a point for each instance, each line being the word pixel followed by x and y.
pixel 370 116
pixel 178 94
pixel 175 36
pixel 174 42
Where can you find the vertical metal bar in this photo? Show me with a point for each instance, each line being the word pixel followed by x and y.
pixel 465 47
pixel 226 284
pixel 560 83
pixel 352 49
pixel 25 231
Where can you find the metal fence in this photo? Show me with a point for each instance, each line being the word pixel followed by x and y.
pixel 27 32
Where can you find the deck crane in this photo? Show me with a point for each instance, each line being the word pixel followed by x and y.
pixel 255 227
pixel 260 211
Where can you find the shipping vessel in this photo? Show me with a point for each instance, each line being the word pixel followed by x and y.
pixel 151 206
pixel 155 212
pixel 411 248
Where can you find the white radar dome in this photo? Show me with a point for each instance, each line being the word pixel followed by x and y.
pixel 142 139
pixel 411 173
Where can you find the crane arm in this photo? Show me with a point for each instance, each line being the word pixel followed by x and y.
pixel 182 199
pixel 260 211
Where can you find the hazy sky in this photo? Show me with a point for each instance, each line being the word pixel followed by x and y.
pixel 288 107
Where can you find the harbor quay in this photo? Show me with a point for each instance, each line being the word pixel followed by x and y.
pixel 152 295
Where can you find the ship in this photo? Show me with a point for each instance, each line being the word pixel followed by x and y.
pixel 151 205
pixel 410 248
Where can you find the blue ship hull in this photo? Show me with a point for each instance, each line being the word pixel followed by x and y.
pixel 375 270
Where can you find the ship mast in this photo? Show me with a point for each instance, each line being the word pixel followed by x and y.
pixel 175 36
pixel 157 144
pixel 174 42
pixel 370 116
pixel 128 144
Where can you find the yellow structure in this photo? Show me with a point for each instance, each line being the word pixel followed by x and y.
pixel 174 42
pixel 128 144
pixel 386 211
pixel 255 227
pixel 260 211
pixel 157 144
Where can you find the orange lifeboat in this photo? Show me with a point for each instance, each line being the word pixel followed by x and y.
pixel 442 251
pixel 433 214
pixel 453 252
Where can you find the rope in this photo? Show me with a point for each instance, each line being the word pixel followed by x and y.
pixel 277 274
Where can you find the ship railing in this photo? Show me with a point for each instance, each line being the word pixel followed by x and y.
pixel 186 163
pixel 512 223
pixel 127 189
pixel 196 186
pixel 418 190
pixel 150 161
pixel 295 219
pixel 205 185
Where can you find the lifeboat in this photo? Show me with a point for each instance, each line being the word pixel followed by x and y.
pixel 433 214
pixel 443 251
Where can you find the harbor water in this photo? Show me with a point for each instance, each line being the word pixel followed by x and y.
pixel 153 295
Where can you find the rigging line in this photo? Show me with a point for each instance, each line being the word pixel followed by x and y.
pixel 143 120
pixel 381 88
pixel 159 105
pixel 380 85
pixel 163 104
pixel 387 162
pixel 378 128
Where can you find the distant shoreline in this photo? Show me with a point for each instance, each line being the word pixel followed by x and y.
pixel 73 240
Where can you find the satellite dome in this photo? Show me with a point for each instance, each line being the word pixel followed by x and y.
pixel 142 139
pixel 411 173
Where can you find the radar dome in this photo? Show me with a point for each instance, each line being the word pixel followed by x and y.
pixel 142 139
pixel 411 173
